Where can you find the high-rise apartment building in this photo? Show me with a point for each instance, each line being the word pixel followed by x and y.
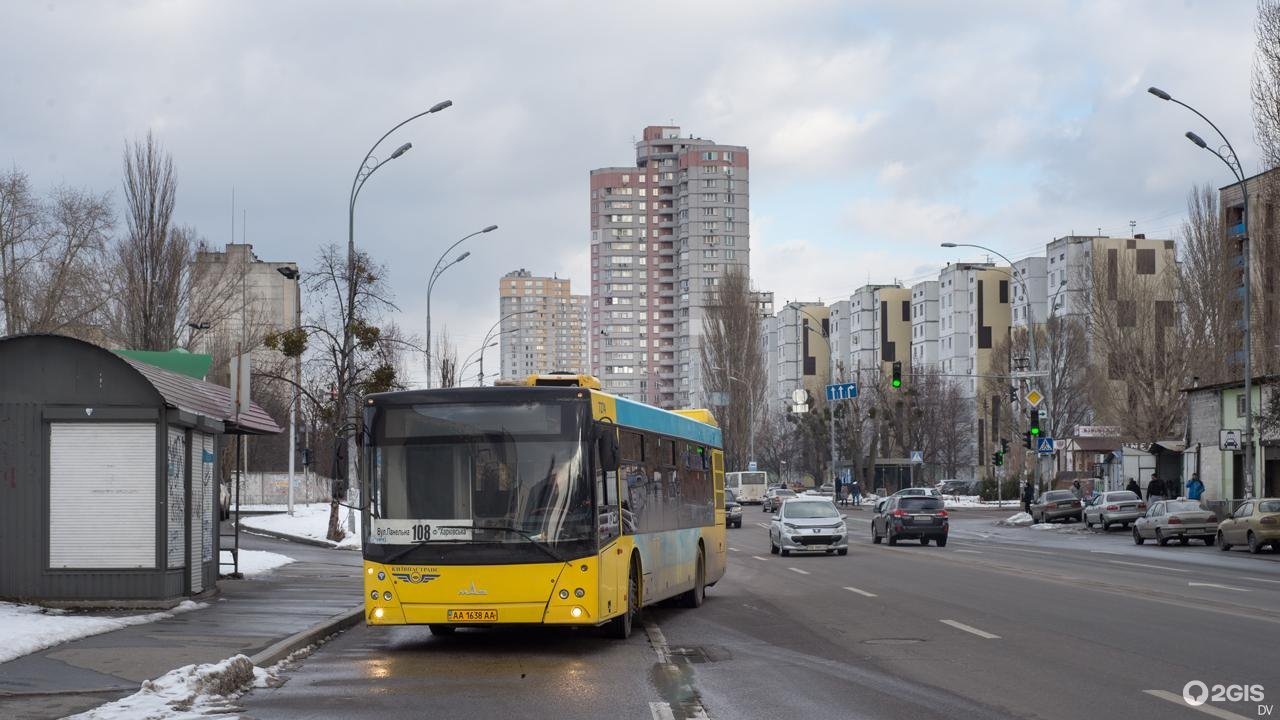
pixel 663 234
pixel 802 352
pixel 543 326
pixel 924 326
pixel 1031 291
pixel 880 317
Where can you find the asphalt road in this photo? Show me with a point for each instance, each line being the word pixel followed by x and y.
pixel 1003 622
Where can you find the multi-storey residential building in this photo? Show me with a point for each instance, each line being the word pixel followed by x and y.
pixel 974 319
pixel 1264 266
pixel 924 326
pixel 864 331
pixel 663 233
pixel 802 351
pixel 543 326
pixel 841 339
pixel 1030 291
pixel 241 299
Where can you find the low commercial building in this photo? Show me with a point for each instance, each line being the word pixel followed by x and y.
pixel 108 487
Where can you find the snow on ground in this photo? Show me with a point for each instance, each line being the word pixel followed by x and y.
pixel 190 692
pixel 1019 520
pixel 25 629
pixel 976 501
pixel 256 562
pixel 308 521
pixel 1062 527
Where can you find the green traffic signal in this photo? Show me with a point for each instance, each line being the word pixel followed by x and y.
pixel 1035 430
pixel 897 383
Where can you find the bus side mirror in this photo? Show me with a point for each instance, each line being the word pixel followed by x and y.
pixel 607 442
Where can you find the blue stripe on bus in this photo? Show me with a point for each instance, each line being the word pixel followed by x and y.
pixel 647 417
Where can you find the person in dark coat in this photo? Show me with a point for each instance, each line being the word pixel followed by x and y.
pixel 1133 487
pixel 1028 496
pixel 1155 489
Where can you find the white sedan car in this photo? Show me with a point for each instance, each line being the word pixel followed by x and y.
pixel 808 524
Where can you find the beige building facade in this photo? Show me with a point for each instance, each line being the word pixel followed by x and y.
pixel 543 326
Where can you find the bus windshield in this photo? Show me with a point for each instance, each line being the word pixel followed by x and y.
pixel 479 483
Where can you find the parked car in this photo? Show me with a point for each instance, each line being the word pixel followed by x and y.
pixel 907 492
pixel 773 498
pixel 808 524
pixel 1183 519
pixel 957 487
pixel 1255 523
pixel 1119 507
pixel 911 517
pixel 732 510
pixel 1057 505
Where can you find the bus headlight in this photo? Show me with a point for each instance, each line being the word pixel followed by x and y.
pixel 579 592
pixel 377 613
pixel 564 594
pixel 576 612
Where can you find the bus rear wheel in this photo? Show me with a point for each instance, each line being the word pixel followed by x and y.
pixel 693 598
pixel 619 628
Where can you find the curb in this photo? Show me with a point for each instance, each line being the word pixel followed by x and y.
pixel 292 538
pixel 282 649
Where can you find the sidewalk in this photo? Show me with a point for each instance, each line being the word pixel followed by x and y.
pixel 248 616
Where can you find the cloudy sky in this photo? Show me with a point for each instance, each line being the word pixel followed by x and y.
pixel 876 129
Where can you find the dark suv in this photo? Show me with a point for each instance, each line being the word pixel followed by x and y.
pixel 911 517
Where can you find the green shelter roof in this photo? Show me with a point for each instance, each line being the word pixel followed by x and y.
pixel 178 361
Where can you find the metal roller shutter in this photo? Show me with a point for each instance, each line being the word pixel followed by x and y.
pixel 102 495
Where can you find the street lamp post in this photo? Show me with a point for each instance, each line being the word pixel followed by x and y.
pixel 1232 161
pixel 484 344
pixel 291 273
pixel 435 275
pixel 346 379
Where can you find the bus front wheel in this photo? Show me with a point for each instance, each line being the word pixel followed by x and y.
pixel 619 628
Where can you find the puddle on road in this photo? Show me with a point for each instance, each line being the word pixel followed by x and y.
pixel 674 680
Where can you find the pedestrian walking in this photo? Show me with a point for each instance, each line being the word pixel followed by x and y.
pixel 1028 496
pixel 1155 489
pixel 857 492
pixel 1133 487
pixel 1195 488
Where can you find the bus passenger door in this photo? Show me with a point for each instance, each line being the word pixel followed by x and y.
pixel 608 521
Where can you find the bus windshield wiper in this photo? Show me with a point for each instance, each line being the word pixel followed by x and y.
pixel 505 528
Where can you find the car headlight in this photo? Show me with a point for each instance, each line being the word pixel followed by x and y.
pixel 789 526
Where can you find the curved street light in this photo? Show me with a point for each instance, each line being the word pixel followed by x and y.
pixel 484 344
pixel 435 275
pixel 1232 161
pixel 368 166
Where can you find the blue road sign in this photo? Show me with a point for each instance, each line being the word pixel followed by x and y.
pixel 842 391
pixel 751 466
pixel 1044 445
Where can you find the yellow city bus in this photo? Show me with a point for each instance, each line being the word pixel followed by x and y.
pixel 548 502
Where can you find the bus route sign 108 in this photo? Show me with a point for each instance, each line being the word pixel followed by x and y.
pixel 384 531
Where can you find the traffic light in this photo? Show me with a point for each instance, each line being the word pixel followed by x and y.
pixel 1034 428
pixel 1027 441
pixel 997 458
pixel 1004 446
pixel 897 374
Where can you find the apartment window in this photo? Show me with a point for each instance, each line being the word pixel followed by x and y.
pixel 1146 261
pixel 709 253
pixel 708 211
pixel 708 197
pixel 708 183
pixel 710 155
pixel 729 253
pixel 728 212
pixel 728 155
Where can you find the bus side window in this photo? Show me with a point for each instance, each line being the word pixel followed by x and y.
pixel 608 519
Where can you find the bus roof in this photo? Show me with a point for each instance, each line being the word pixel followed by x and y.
pixel 647 417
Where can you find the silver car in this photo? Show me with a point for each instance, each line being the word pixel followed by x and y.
pixel 808 524
pixel 1183 519
pixel 1119 507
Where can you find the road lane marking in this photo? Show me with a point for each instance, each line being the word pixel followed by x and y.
pixel 864 593
pixel 798 570
pixel 1261 580
pixel 1216 585
pixel 970 629
pixel 659 642
pixel 1176 699
pixel 973 552
pixel 1144 565
pixel 760 558
pixel 734 549
pixel 1033 552
pixel 763 525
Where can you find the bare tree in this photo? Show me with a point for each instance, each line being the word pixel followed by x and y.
pixel 373 366
pixel 1263 238
pixel 1205 283
pixel 445 355
pixel 733 361
pixel 151 258
pixel 51 252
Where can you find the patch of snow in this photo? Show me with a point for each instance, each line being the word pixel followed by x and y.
pixel 25 629
pixel 308 521
pixel 256 562
pixel 190 692
pixel 1017 520
pixel 1061 527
